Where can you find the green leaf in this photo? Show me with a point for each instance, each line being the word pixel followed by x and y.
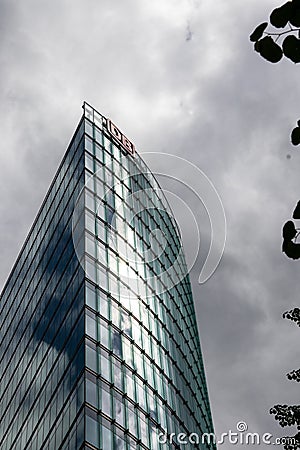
pixel 295 136
pixel 280 16
pixel 268 49
pixel 258 32
pixel 291 48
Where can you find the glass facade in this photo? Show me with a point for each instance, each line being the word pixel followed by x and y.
pixel 100 347
pixel 42 325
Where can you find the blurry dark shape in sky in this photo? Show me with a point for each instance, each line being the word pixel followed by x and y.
pixel 189 33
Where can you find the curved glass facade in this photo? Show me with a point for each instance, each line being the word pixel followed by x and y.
pixel 99 341
pixel 145 375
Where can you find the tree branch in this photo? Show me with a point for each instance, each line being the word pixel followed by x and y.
pixel 292 30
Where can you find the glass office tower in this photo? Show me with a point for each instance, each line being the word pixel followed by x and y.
pixel 99 341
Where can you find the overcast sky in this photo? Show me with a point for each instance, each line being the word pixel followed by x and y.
pixel 179 77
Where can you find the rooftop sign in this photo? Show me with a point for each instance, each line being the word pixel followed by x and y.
pixel 120 137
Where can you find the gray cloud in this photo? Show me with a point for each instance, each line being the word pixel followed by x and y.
pixel 210 99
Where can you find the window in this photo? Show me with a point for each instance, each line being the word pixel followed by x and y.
pixel 92 430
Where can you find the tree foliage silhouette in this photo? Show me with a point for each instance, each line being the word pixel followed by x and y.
pixel 290 234
pixel 283 40
pixel 273 45
pixel 289 415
